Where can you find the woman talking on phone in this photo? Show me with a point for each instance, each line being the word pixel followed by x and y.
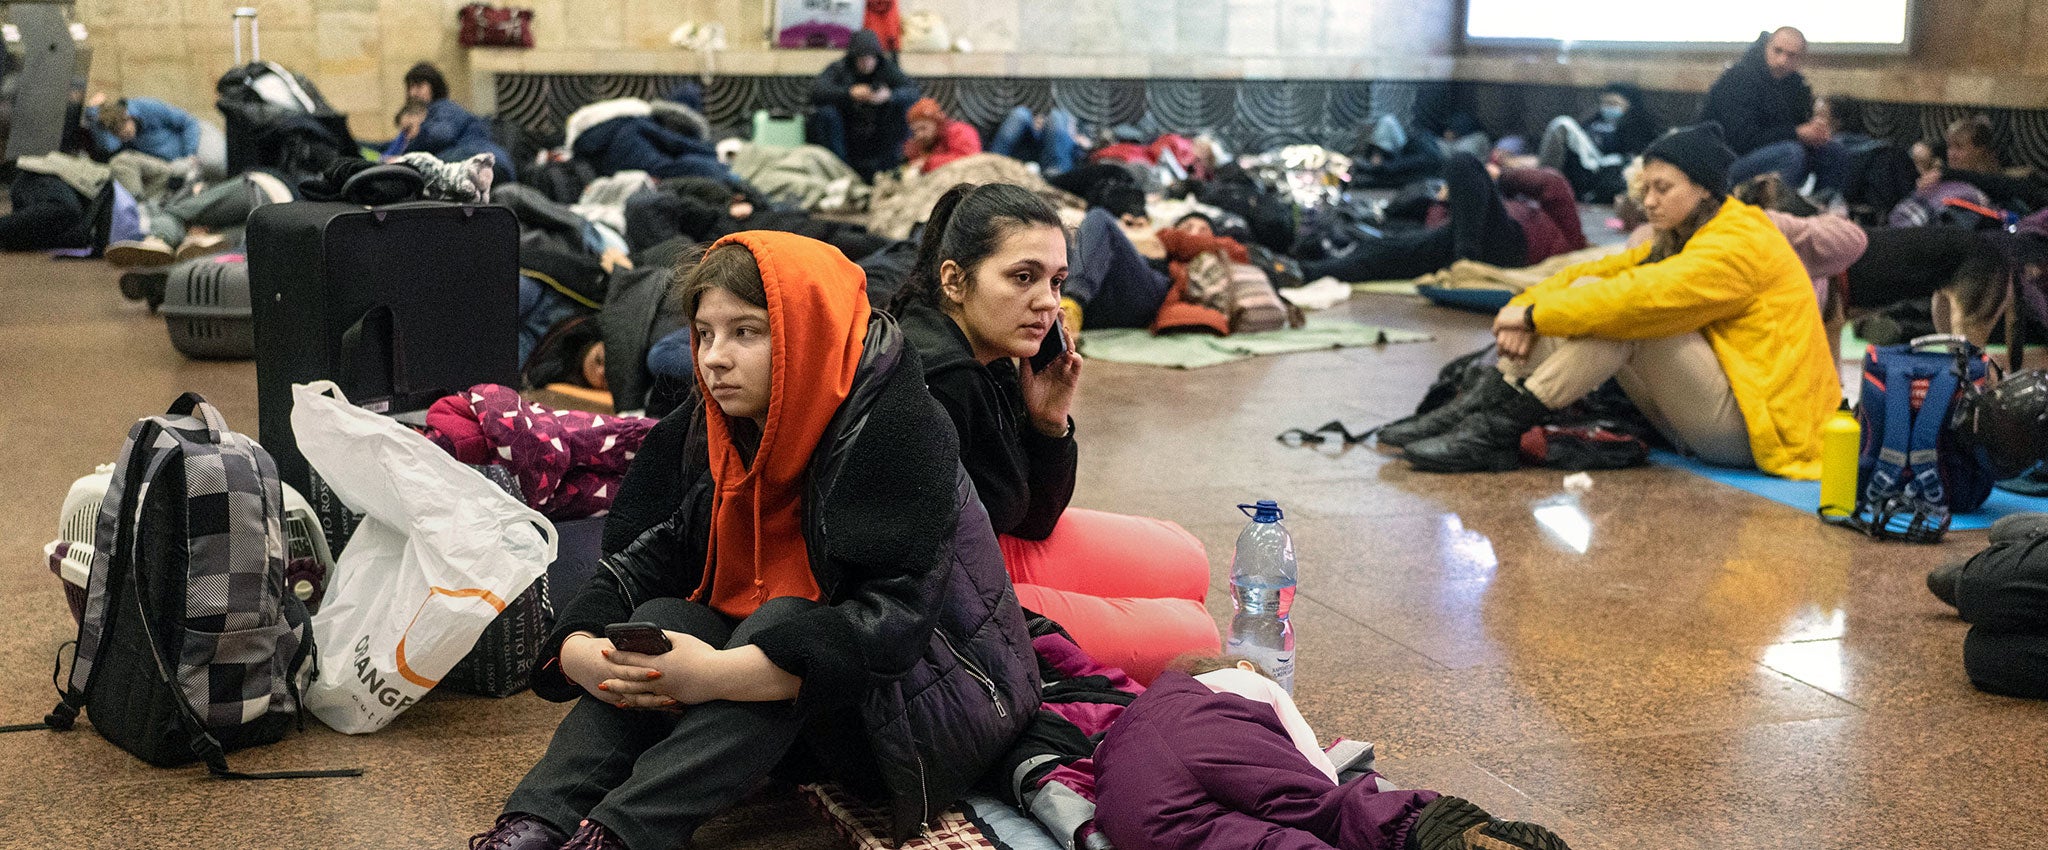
pixel 982 308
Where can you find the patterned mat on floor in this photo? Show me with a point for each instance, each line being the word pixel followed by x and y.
pixel 1194 351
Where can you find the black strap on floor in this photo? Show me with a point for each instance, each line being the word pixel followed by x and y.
pixel 1319 436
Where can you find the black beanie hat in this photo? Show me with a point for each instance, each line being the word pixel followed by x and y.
pixel 1699 152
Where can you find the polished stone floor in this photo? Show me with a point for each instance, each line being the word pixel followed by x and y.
pixel 1675 664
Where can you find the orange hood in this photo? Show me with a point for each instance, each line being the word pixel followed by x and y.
pixel 817 323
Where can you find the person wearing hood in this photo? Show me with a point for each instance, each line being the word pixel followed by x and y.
pixel 806 544
pixel 1766 110
pixel 936 138
pixel 1591 151
pixel 860 107
pixel 1711 328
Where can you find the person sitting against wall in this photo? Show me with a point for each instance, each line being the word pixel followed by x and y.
pixel 1476 222
pixel 1592 151
pixel 936 138
pixel 1048 139
pixel 1765 107
pixel 1967 154
pixel 860 106
pixel 981 300
pixel 799 563
pixel 1711 328
pixel 447 130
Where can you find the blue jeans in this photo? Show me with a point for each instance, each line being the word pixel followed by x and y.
pixel 1794 161
pixel 1112 281
pixel 1052 147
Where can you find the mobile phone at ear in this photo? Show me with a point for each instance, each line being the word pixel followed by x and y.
pixel 643 638
pixel 1055 344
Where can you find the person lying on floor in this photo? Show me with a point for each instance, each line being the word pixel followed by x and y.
pixel 1712 329
pixel 1215 754
pixel 1538 218
pixel 790 597
pixel 1125 272
pixel 936 138
pixel 143 124
pixel 683 212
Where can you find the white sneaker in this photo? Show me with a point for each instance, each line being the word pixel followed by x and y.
pixel 132 254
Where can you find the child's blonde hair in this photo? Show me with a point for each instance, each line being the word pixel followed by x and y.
pixel 1196 665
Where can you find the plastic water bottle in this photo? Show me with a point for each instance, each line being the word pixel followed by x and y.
pixel 1262 580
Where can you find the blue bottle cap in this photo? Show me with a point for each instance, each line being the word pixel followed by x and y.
pixel 1266 510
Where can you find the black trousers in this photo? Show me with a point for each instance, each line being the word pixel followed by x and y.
pixel 1913 262
pixel 47 214
pixel 1479 229
pixel 653 777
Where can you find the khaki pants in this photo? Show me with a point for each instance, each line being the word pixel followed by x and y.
pixel 1675 381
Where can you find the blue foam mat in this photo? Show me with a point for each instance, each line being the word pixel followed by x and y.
pixel 1805 495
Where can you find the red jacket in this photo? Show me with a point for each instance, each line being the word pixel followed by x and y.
pixel 955 140
pixel 1178 313
pixel 1540 200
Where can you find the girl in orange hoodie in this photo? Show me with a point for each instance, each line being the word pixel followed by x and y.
pixel 820 544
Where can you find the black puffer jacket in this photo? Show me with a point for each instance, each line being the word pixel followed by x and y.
pixel 921 633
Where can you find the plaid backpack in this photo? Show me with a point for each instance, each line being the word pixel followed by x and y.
pixel 190 646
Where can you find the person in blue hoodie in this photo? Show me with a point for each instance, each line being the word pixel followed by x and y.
pixel 448 131
pixel 144 124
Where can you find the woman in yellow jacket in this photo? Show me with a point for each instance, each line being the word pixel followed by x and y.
pixel 1711 328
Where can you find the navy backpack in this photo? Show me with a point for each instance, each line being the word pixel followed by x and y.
pixel 1915 471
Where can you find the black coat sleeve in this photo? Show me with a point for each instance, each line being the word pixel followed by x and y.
pixel 1053 461
pixel 1025 478
pixel 890 521
pixel 832 85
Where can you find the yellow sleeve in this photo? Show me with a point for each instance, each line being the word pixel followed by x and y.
pixel 1605 266
pixel 1708 281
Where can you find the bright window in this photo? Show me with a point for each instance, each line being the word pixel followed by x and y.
pixel 1866 24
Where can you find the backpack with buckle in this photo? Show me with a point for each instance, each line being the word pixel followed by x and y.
pixel 1915 471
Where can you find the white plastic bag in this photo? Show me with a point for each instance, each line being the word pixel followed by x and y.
pixel 440 552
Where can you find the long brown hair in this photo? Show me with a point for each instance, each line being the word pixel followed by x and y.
pixel 1668 242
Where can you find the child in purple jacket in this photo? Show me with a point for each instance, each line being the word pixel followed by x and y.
pixel 1219 757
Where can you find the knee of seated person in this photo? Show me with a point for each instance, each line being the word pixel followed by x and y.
pixel 784 606
pixel 673 614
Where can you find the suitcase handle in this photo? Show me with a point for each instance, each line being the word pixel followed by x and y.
pixel 378 213
pixel 255 40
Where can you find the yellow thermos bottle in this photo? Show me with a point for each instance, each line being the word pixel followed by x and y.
pixel 1841 443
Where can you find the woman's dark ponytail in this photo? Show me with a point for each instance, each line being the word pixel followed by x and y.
pixel 966 226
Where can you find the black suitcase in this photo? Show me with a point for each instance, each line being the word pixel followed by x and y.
pixel 399 305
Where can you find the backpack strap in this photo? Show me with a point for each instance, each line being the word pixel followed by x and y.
pixel 196 406
pixel 1923 486
pixel 1888 474
pixel 111 562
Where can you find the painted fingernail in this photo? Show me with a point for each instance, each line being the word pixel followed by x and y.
pixel 622 703
pixel 653 675
pixel 605 652
pixel 601 686
pixel 670 702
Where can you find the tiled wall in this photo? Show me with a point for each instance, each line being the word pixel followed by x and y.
pixel 1972 51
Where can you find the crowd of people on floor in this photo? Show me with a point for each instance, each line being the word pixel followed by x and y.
pixel 787 346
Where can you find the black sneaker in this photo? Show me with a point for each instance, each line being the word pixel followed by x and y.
pixel 518 831
pixel 1455 823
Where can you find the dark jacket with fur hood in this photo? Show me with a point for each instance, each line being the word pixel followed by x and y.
pixel 920 634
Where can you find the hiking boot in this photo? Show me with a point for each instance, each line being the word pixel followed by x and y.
pixel 591 835
pixel 1454 823
pixel 1942 581
pixel 200 245
pixel 518 831
pixel 1423 426
pixel 1487 439
pixel 140 253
